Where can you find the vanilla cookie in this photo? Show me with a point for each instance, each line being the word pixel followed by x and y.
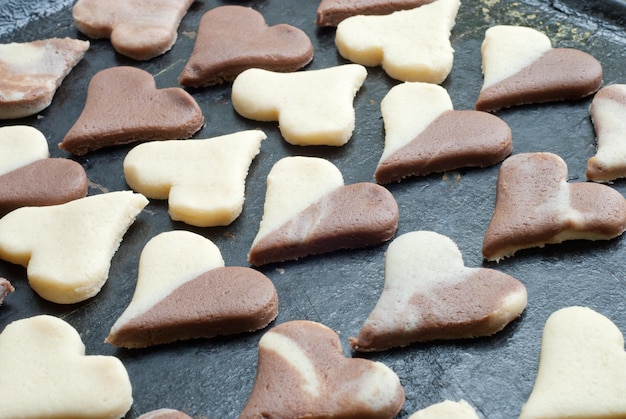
pixel 165 414
pixel 33 71
pixel 582 368
pixel 313 107
pixel 67 248
pixel 184 291
pixel 521 67
pixel 204 179
pixel 411 45
pixel 308 210
pixel 302 373
pixel 124 106
pixel 424 134
pixel 535 205
pixel 608 114
pixel 232 39
pixel 50 376
pixel 331 12
pixel 429 295
pixel 447 410
pixel 137 29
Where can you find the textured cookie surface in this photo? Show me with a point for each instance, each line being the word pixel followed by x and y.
pixel 582 368
pixel 535 205
pixel 521 67
pixel 424 134
pixel 204 179
pixel 137 29
pixel 50 376
pixel 308 210
pixel 68 248
pixel 313 107
pixel 446 410
pixel 232 39
pixel 124 106
pixel 411 45
pixel 302 373
pixel 184 291
pixel 331 12
pixel 33 71
pixel 429 294
pixel 608 113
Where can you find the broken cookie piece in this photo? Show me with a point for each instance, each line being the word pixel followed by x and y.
pixel 137 29
pixel 184 291
pixel 308 210
pixel 520 67
pixel 302 373
pixel 5 288
pixel 331 12
pixel 124 106
pixel 232 39
pixel 33 71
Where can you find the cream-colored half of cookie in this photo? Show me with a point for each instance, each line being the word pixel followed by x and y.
pixel 508 49
pixel 46 374
pixel 411 45
pixel 203 178
pixel 447 410
pixel 313 107
pixel 582 368
pixel 609 119
pixel 168 261
pixel 293 184
pixel 21 145
pixel 408 109
pixel 68 248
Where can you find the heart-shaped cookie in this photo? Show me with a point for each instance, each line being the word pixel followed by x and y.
pixel 521 67
pixel 423 134
pixel 21 145
pixel 411 45
pixel 429 295
pixel 582 368
pixel 137 29
pixel 184 291
pixel 232 39
pixel 607 111
pixel 32 72
pixel 204 178
pixel 313 107
pixel 535 206
pixel 308 210
pixel 50 376
pixel 124 106
pixel 67 248
pixel 331 12
pixel 302 373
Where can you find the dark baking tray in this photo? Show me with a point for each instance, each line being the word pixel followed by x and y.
pixel 212 378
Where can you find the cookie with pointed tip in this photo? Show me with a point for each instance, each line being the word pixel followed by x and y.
pixel 447 410
pixel 582 368
pixel 184 291
pixel 424 134
pixel 308 210
pixel 302 372
pixel 137 29
pixel 28 177
pixel 67 248
pixel 429 294
pixel 313 107
pixel 536 205
pixel 521 67
pixel 33 71
pixel 411 45
pixel 607 111
pixel 331 12
pixel 204 179
pixel 50 376
pixel 232 39
pixel 124 106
